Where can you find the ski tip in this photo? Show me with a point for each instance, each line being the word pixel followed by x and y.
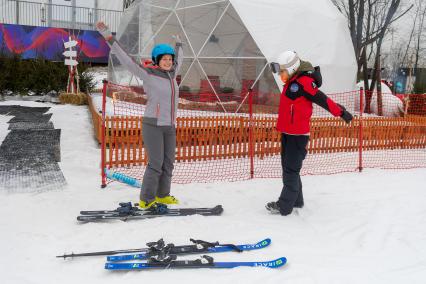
pixel 124 257
pixel 266 242
pixel 218 209
pixel 116 266
pixel 87 218
pixel 278 262
pixel 82 219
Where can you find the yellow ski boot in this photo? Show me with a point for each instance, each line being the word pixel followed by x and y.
pixel 169 199
pixel 144 205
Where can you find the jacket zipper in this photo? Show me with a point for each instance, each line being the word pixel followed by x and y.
pixel 172 109
pixel 292 113
pixel 158 111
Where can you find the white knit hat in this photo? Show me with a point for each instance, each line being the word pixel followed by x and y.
pixel 290 61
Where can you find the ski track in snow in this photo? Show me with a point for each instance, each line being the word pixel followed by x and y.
pixel 355 227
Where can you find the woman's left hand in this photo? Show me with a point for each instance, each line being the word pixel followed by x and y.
pixel 177 38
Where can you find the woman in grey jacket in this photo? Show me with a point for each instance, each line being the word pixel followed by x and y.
pixel 158 129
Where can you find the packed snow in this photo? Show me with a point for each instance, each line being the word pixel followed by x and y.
pixel 392 105
pixel 355 227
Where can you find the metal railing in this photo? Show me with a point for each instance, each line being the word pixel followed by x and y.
pixel 58 16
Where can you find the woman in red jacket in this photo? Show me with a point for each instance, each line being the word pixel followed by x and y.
pixel 300 91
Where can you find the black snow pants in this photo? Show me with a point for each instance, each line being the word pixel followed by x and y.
pixel 293 152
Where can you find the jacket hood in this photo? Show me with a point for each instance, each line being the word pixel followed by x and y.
pixel 305 66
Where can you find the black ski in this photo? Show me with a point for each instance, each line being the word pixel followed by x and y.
pixel 198 247
pixel 158 247
pixel 128 212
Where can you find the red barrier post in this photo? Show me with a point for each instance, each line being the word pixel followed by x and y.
pixel 251 142
pixel 103 144
pixel 360 138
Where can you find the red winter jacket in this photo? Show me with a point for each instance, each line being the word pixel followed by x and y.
pixel 295 109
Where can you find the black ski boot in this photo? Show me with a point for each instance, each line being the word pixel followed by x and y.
pixel 298 205
pixel 273 207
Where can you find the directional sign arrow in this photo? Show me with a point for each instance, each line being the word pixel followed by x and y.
pixel 69 44
pixel 71 62
pixel 70 53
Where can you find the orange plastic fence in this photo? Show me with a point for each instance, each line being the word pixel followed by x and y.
pixel 215 146
pixel 203 138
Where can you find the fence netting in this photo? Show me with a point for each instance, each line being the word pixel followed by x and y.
pixel 228 138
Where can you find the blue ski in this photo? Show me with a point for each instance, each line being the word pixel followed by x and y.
pixel 204 262
pixel 192 249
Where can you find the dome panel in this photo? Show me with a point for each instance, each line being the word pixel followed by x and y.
pixel 165 34
pixel 166 4
pixel 231 39
pixel 187 62
pixel 195 86
pixel 152 20
pixel 233 77
pixel 199 21
pixel 128 32
pixel 194 3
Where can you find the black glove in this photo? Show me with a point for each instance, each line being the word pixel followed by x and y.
pixel 346 115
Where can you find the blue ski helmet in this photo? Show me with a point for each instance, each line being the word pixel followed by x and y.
pixel 161 49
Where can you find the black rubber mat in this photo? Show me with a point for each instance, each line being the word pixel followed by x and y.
pixel 31 117
pixel 20 144
pixel 30 125
pixel 30 152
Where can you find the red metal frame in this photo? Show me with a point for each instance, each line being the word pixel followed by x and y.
pixel 251 142
pixel 360 138
pixel 103 162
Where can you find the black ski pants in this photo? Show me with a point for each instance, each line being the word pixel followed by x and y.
pixel 293 152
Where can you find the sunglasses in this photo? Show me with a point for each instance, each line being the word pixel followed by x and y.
pixel 275 67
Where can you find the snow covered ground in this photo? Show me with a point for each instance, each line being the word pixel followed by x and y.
pixel 355 228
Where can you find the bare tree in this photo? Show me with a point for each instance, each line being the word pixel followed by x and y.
pixel 410 39
pixel 413 53
pixel 421 12
pixel 368 22
pixel 419 47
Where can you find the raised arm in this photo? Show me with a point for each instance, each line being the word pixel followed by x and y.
pixel 127 61
pixel 312 93
pixel 178 54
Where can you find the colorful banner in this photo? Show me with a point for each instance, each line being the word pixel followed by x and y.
pixel 48 43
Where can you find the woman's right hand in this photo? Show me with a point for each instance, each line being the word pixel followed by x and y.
pixel 104 30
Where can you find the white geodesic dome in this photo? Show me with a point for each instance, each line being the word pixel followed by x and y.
pixel 228 44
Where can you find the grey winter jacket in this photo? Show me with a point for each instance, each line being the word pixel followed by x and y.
pixel 160 86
